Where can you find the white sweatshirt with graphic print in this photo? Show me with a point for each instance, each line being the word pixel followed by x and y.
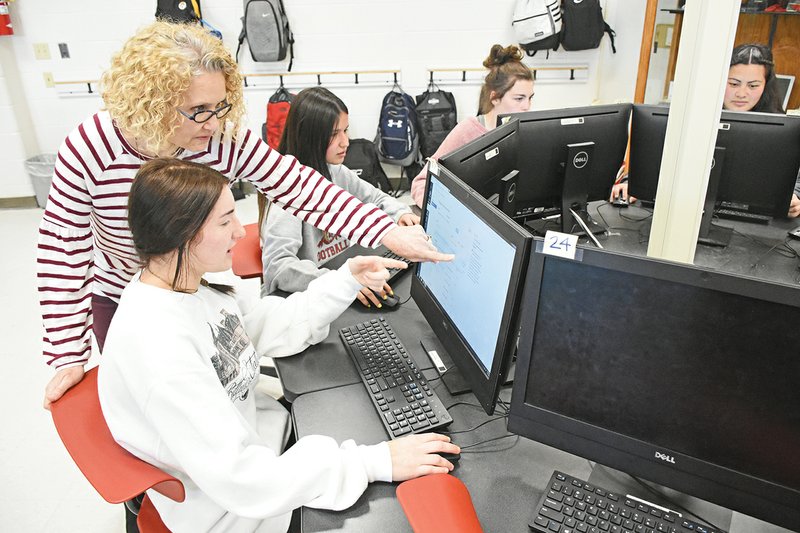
pixel 177 385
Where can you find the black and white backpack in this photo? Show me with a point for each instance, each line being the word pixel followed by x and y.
pixel 266 28
pixel 436 115
pixel 537 25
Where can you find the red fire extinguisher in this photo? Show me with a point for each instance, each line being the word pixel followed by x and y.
pixel 5 19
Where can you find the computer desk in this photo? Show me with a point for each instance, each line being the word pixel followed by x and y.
pixel 751 251
pixel 507 476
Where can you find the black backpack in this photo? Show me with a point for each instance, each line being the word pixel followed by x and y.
pixel 178 10
pixel 436 116
pixel 362 158
pixel 583 25
pixel 266 28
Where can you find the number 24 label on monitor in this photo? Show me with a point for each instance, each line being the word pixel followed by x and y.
pixel 560 244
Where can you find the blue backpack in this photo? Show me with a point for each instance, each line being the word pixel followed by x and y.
pixel 397 139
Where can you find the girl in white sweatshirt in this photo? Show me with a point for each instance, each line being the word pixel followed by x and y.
pixel 177 382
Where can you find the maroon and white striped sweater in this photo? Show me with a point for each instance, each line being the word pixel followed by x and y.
pixel 85 245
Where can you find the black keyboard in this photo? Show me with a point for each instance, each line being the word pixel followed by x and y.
pixel 744 216
pixel 572 505
pixel 355 250
pixel 394 273
pixel 402 396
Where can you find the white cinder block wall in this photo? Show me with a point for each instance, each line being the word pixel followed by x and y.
pixel 410 36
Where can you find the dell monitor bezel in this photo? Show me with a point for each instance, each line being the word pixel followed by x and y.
pixel 485 386
pixel 543 161
pixel 738 490
pixel 753 192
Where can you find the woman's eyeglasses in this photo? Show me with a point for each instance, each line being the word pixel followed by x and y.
pixel 206 114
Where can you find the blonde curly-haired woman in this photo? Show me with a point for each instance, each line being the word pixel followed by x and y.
pixel 173 90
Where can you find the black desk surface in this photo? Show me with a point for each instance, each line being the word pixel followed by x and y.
pixel 506 476
pixel 752 252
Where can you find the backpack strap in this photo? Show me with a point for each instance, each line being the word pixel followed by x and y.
pixel 242 35
pixel 290 37
pixel 611 34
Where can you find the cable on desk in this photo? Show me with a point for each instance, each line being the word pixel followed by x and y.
pixel 475 405
pixel 404 301
pixel 466 447
pixel 631 219
pixel 474 428
pixel 674 503
pixel 505 405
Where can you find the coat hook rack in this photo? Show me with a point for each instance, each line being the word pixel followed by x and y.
pixel 359 78
pixel 535 70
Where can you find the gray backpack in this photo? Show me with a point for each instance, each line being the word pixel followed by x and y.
pixel 266 28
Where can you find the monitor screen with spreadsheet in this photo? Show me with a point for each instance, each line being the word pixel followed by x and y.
pixel 471 302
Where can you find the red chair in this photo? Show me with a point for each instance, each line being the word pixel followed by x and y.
pixel 247 254
pixel 439 503
pixel 116 474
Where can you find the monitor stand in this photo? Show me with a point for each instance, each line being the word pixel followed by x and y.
pixel 712 234
pixel 574 195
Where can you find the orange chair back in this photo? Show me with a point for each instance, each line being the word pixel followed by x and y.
pixel 115 473
pixel 247 254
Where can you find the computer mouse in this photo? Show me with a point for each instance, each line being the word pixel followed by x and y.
pixel 390 301
pixel 619 201
pixel 452 457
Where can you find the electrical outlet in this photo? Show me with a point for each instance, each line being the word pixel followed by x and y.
pixel 64 50
pixel 48 80
pixel 41 50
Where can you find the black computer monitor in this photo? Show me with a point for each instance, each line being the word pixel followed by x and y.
pixel 568 157
pixel 488 164
pixel 471 303
pixel 755 164
pixel 700 393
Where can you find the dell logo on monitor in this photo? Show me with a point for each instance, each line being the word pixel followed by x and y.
pixel 511 193
pixel 665 457
pixel 580 160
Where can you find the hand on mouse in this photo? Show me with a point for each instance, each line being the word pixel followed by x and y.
pixel 370 270
pixel 368 297
pixel 416 455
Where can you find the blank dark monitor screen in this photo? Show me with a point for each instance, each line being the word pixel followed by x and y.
pixel 759 167
pixel 543 140
pixel 699 393
pixel 471 303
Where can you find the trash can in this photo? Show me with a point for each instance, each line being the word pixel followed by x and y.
pixel 40 169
